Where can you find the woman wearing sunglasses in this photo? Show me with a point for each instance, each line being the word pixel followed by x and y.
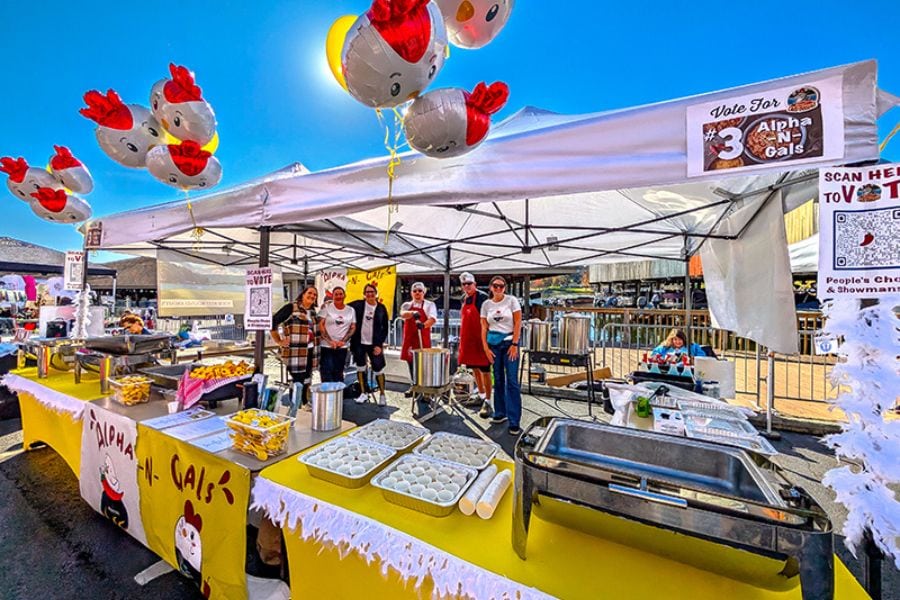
pixel 501 324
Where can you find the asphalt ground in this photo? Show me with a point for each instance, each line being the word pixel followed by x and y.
pixel 53 546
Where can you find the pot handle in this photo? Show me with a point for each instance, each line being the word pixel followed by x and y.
pixel 648 495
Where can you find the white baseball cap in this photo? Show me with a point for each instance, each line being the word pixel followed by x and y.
pixel 418 286
pixel 467 278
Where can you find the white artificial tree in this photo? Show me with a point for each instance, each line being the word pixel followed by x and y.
pixel 869 375
pixel 82 313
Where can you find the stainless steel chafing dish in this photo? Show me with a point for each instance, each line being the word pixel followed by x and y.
pixel 58 353
pixel 615 479
pixel 116 355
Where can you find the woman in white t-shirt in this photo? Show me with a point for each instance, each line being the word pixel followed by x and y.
pixel 501 324
pixel 337 322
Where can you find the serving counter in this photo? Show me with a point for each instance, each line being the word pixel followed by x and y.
pixel 345 543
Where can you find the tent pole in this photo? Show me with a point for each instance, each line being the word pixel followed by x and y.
pixel 84 264
pixel 527 307
pixel 114 297
pixel 445 329
pixel 305 271
pixel 770 398
pixel 259 349
pixel 688 301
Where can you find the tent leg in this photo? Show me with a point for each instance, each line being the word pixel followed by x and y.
pixel 688 301
pixel 259 349
pixel 527 307
pixel 445 329
pixel 770 399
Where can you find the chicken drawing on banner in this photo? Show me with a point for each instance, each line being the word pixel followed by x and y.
pixel 450 122
pixel 393 52
pixel 185 166
pixel 474 23
pixel 125 132
pixel 179 106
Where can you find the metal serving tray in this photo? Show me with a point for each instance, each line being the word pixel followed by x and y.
pixel 408 499
pixel 724 495
pixel 458 442
pixel 335 448
pixel 410 434
pixel 129 344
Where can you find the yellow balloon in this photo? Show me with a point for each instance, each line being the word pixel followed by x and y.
pixel 334 46
pixel 211 146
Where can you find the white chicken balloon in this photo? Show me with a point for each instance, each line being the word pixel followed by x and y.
pixel 450 121
pixel 55 205
pixel 474 23
pixel 394 51
pixel 70 171
pixel 126 132
pixel 178 105
pixel 185 166
pixel 24 180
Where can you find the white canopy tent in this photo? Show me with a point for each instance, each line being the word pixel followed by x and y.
pixel 545 190
pixel 608 186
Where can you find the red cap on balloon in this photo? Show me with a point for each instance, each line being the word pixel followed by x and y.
pixel 189 157
pixel 480 105
pixel 15 168
pixel 404 24
pixel 63 159
pixel 182 87
pixel 108 111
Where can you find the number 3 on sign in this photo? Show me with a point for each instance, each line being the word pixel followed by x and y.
pixel 733 145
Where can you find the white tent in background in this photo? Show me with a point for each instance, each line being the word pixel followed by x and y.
pixel 545 190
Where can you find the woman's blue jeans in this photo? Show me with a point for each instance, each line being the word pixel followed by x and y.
pixel 507 395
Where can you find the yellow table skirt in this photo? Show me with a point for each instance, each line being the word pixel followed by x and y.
pixel 58 429
pixel 562 562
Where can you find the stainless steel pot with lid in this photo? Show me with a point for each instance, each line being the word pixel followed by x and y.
pixel 537 335
pixel 431 367
pixel 574 334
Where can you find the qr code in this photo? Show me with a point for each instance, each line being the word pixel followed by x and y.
pixel 259 302
pixel 865 239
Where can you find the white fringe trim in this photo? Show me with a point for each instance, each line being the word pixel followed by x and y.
pixel 410 556
pixel 55 401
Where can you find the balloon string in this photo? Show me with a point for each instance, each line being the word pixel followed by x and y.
pixel 392 146
pixel 887 139
pixel 197 232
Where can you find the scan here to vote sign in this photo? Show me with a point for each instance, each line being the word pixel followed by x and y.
pixel 859 232
pixel 258 305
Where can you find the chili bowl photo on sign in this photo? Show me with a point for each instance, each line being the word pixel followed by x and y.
pixel 774 138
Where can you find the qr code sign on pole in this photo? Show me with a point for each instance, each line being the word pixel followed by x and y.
pixel 859 232
pixel 867 238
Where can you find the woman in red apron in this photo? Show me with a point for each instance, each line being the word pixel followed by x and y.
pixel 471 347
pixel 418 316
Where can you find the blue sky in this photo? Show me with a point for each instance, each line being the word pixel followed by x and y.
pixel 262 66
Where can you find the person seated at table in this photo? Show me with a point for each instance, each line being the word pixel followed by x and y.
pixel 134 325
pixel 676 344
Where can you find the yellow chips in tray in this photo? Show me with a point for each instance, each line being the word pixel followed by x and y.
pixel 222 371
pixel 131 389
pixel 259 433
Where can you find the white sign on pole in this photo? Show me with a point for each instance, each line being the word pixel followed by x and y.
pixel 790 125
pixel 258 299
pixel 859 232
pixel 73 271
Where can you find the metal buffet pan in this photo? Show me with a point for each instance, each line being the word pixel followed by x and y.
pixel 727 496
pixel 129 344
